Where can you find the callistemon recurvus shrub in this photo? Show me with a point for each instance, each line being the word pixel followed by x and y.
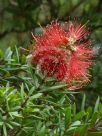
pixel 62 53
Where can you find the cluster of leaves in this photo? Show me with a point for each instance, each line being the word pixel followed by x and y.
pixel 33 113
pixel 33 105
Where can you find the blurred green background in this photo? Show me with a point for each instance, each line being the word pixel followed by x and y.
pixel 18 18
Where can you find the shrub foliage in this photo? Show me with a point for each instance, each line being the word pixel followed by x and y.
pixel 33 106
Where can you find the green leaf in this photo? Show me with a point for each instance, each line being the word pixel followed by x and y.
pixel 83 102
pixel 4 130
pixel 9 125
pixel 67 116
pixel 61 101
pixel 15 114
pixel 17 53
pixel 71 129
pixel 31 90
pixel 53 88
pixel 26 129
pixel 76 123
pixel 1 123
pixel 8 54
pixel 97 104
pixel 22 91
pixel 15 123
pixel 35 96
pixel 42 131
pixel 94 118
pixel 83 130
pixel 88 114
pixel 74 109
pixel 79 115
pixel 34 77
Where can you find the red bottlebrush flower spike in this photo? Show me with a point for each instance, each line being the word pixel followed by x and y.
pixel 53 35
pixel 80 61
pixel 59 55
pixel 75 31
pixel 52 61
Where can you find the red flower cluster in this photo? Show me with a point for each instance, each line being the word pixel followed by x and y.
pixel 61 53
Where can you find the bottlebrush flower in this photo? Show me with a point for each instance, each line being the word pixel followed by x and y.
pixel 53 35
pixel 81 60
pixel 52 61
pixel 59 55
pixel 75 31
